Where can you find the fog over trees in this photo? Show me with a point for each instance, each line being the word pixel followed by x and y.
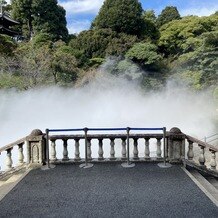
pixel 159 47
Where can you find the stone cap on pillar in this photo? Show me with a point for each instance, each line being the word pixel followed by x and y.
pixel 35 135
pixel 176 133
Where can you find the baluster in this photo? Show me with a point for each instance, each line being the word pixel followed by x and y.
pixel 77 153
pixel 147 149
pixel 100 150
pixel 123 148
pixel 135 149
pixel 190 152
pixel 112 151
pixel 202 156
pixel 158 148
pixel 53 151
pixel 89 151
pixel 20 153
pixel 213 160
pixel 65 151
pixel 9 161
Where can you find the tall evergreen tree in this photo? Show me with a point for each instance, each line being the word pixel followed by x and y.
pixel 49 18
pixel 40 16
pixel 121 16
pixel 168 14
pixel 150 30
pixel 22 11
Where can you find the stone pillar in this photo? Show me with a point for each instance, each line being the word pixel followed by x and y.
pixel 36 151
pixel 176 145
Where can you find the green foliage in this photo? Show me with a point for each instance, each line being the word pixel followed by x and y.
pixel 180 36
pixel 34 64
pixel 64 66
pixel 199 68
pixel 129 70
pixel 145 54
pixel 7 45
pixel 93 43
pixel 150 29
pixel 96 62
pixel 152 83
pixel 8 81
pixel 185 49
pixel 102 42
pixel 42 39
pixel 49 18
pixel 120 44
pixel 149 15
pixel 40 16
pixel 122 16
pixel 168 14
pixel 23 12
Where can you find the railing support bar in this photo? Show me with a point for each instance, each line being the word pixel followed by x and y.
pixel 128 164
pixel 164 164
pixel 86 164
pixel 48 165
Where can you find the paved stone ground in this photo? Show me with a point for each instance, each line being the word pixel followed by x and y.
pixel 107 190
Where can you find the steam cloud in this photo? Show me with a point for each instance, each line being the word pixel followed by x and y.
pixel 105 102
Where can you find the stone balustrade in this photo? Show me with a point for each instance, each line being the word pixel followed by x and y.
pixel 8 150
pixel 201 154
pixel 98 142
pixel 80 148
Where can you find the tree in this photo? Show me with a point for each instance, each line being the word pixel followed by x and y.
pixel 149 15
pixel 181 36
pixel 199 67
pixel 49 18
pixel 145 54
pixel 150 30
pixel 63 64
pixel 99 43
pixel 22 11
pixel 120 44
pixel 40 16
pixel 168 14
pixel 93 43
pixel 7 45
pixel 122 16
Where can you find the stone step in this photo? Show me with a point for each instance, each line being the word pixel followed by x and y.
pixel 210 190
pixel 7 185
pixel 213 181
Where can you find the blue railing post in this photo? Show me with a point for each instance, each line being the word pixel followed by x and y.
pixel 86 164
pixel 128 164
pixel 86 145
pixel 164 165
pixel 48 165
pixel 127 133
pixel 47 147
pixel 164 144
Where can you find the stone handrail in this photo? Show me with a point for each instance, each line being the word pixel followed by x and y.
pixel 33 141
pixel 206 152
pixel 8 149
pixel 105 136
pixel 11 145
pixel 100 138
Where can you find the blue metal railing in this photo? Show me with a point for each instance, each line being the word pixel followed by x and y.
pixel 105 129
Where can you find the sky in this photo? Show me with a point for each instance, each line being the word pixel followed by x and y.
pixel 80 13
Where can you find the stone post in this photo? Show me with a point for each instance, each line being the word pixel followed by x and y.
pixel 176 145
pixel 36 151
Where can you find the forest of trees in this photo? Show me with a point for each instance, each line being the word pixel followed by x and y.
pixel 164 46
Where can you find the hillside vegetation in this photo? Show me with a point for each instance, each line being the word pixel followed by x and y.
pixel 156 47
